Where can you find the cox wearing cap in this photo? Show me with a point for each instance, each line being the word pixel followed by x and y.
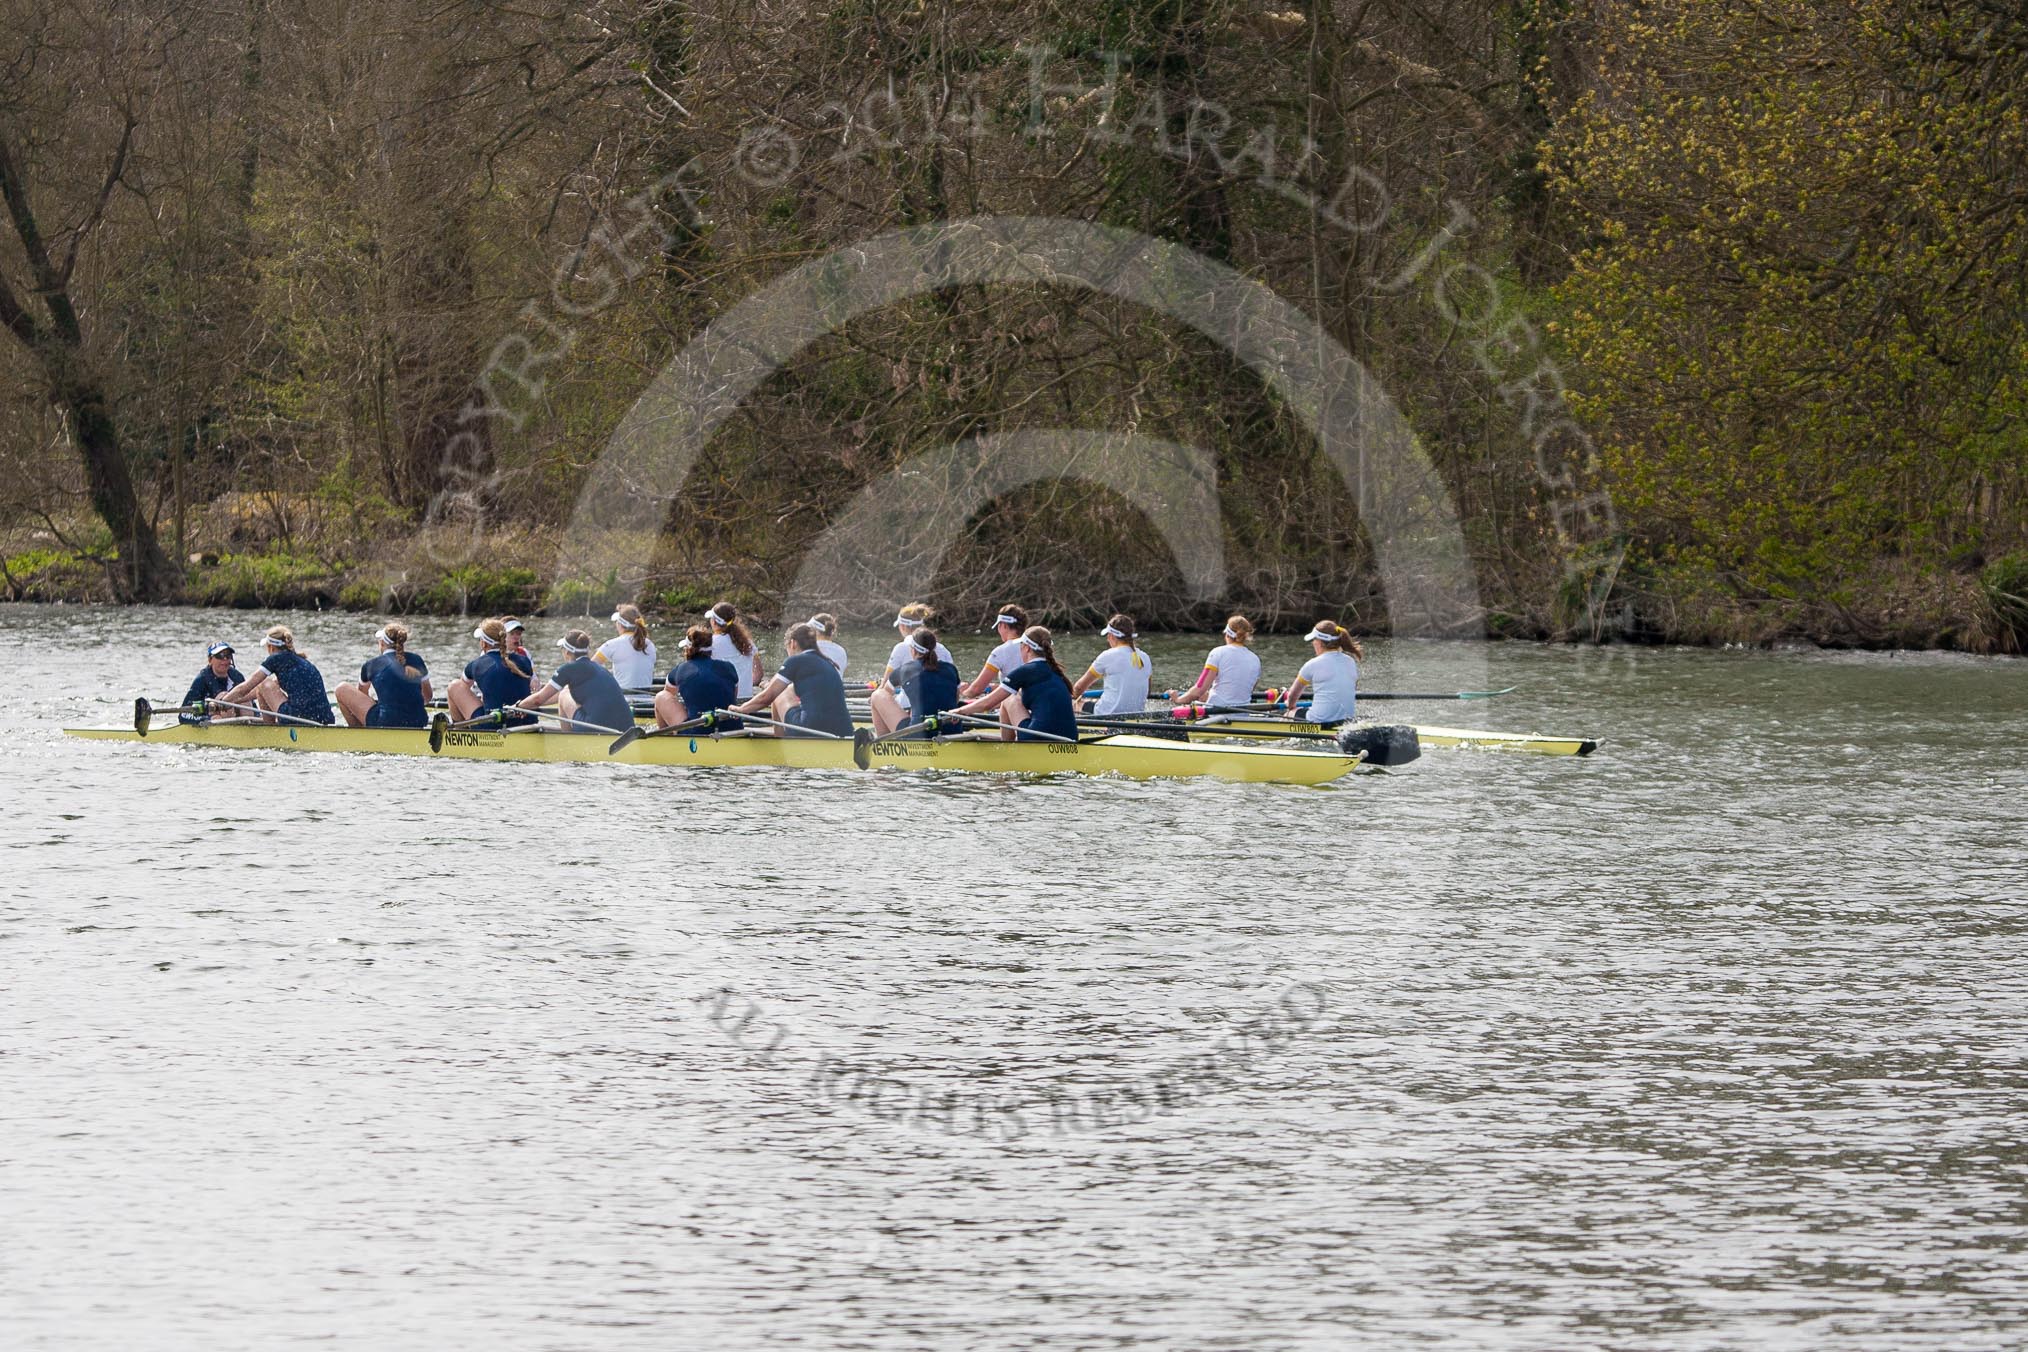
pixel 217 676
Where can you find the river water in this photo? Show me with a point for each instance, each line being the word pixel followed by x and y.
pixel 1714 1039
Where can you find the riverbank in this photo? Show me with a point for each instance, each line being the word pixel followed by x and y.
pixel 1981 607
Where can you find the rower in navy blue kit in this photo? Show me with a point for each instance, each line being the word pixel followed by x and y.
pixel 495 679
pixel 590 696
pixel 699 684
pixel 926 683
pixel 1034 698
pixel 820 691
pixel 287 685
pixel 393 689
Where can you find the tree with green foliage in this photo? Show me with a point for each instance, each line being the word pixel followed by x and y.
pixel 1797 306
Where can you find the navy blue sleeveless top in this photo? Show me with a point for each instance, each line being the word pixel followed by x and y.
pixel 1046 696
pixel 502 681
pixel 706 684
pixel 303 685
pixel 929 692
pixel 397 689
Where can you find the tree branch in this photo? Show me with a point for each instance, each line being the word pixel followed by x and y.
pixel 19 322
pixel 15 192
pixel 98 211
pixel 30 231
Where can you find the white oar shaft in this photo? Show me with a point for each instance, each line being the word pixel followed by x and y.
pixel 264 712
pixel 574 722
pixel 1004 726
pixel 792 727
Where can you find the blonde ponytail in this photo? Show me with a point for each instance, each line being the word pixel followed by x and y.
pixel 630 615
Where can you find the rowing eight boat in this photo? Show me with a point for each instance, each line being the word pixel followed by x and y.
pixel 1133 756
pixel 1208 730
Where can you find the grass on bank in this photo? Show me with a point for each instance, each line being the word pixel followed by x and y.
pixel 1975 610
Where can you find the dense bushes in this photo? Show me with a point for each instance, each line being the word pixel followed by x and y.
pixel 2004 585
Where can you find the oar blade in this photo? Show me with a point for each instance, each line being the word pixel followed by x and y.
pixel 144 713
pixel 1380 743
pixel 438 727
pixel 625 740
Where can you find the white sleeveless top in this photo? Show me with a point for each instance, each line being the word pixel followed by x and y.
pixel 1238 672
pixel 742 663
pixel 1334 681
pixel 633 670
pixel 1005 658
pixel 904 653
pixel 1128 673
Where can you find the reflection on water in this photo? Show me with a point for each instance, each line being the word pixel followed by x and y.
pixel 1714 1039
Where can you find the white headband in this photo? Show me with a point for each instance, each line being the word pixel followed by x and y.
pixel 621 619
pixel 921 647
pixel 820 626
pixel 382 637
pixel 1230 634
pixel 682 645
pixel 1316 635
pixel 568 647
pixel 712 615
pixel 1114 632
pixel 904 622
pixel 516 625
pixel 1006 619
pixel 480 635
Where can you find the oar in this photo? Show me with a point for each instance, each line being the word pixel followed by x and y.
pixel 1260 703
pixel 1455 694
pixel 637 732
pixel 796 728
pixel 263 712
pixel 144 714
pixel 863 739
pixel 935 720
pixel 914 731
pixel 574 722
pixel 497 717
pixel 1168 726
pixel 1187 712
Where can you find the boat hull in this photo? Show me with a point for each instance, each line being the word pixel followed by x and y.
pixel 1132 756
pixel 1467 738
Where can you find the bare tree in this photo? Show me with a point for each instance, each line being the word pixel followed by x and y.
pixel 84 99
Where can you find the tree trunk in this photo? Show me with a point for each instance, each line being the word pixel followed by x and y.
pixel 145 572
pixel 57 347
